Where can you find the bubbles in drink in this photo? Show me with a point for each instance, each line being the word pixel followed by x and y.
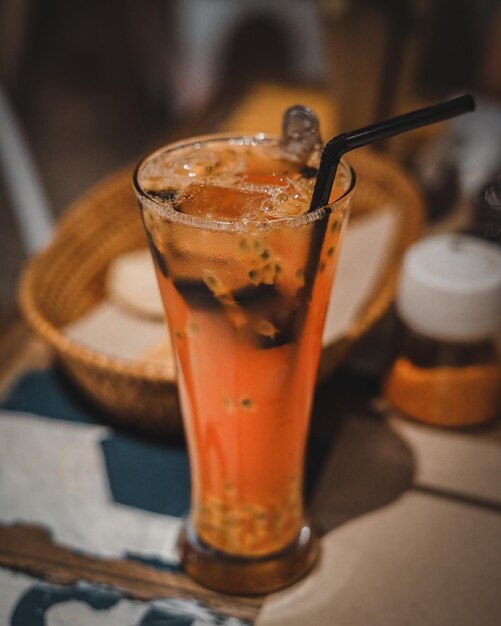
pixel 195 163
pixel 256 180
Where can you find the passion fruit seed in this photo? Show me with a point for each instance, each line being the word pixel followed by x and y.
pixel 165 195
pixel 268 274
pixel 236 316
pixel 330 251
pixel 300 276
pixel 309 172
pixel 254 277
pixel 214 284
pixel 248 528
pixel 247 403
pixel 267 329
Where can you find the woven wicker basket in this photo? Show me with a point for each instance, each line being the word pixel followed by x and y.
pixel 68 278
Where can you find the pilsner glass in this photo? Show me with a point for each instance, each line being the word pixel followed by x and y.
pixel 245 299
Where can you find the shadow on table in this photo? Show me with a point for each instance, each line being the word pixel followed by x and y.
pixel 355 462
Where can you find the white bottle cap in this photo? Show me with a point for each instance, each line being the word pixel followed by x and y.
pixel 450 288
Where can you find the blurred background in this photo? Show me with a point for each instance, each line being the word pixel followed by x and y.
pixel 90 87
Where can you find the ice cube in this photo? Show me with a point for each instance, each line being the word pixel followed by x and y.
pixel 216 202
pixel 202 163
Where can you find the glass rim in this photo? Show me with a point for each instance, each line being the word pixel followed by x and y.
pixel 169 213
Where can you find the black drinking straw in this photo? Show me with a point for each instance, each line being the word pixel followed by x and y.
pixel 345 142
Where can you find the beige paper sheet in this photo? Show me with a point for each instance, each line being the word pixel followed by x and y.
pixel 420 560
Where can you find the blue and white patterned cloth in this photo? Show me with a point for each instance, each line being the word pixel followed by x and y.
pixel 97 492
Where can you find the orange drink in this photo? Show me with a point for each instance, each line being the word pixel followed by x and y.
pixel 245 273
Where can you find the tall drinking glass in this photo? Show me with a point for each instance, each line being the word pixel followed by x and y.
pixel 245 274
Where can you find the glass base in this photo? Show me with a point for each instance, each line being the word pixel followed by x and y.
pixel 243 575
